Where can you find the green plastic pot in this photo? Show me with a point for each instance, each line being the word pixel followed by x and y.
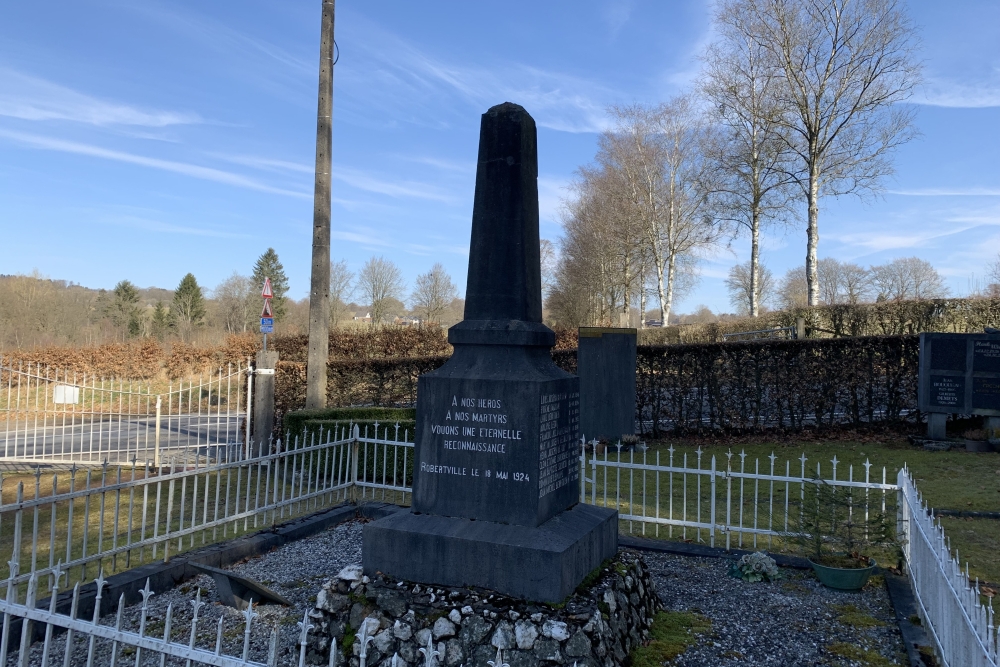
pixel 844 578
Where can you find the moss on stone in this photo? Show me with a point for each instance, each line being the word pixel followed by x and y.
pixel 672 633
pixel 866 657
pixel 850 615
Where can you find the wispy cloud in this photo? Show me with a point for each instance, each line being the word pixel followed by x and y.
pixel 948 192
pixel 268 164
pixel 551 193
pixel 221 37
pixel 186 169
pixel 616 15
pixel 149 225
pixel 366 181
pixel 31 98
pixel 941 92
pixel 397 75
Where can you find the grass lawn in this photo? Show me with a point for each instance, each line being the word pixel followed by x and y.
pixel 955 480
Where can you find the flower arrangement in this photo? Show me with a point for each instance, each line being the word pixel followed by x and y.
pixel 757 566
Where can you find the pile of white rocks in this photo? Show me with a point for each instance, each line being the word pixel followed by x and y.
pixel 608 616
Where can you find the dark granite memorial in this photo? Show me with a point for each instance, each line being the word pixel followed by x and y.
pixel 605 360
pixel 496 479
pixel 959 374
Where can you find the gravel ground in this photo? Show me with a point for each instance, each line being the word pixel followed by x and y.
pixel 792 622
pixel 789 623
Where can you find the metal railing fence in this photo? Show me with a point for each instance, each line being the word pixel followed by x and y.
pixel 963 628
pixel 54 416
pixel 702 499
pixel 113 518
pixel 84 641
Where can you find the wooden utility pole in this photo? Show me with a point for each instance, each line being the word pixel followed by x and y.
pixel 319 290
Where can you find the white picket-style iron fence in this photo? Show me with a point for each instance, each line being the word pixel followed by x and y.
pixel 53 416
pixel 118 517
pixel 963 628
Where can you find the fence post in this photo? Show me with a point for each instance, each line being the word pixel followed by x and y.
pixel 800 328
pixel 711 534
pixel 156 439
pixel 249 407
pixel 263 403
pixel 355 445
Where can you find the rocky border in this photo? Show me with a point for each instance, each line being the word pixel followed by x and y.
pixel 609 615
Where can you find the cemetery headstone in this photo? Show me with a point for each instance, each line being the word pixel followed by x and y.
pixel 497 463
pixel 959 374
pixel 605 361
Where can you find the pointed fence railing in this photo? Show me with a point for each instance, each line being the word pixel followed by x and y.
pixel 963 628
pixel 112 518
pixel 82 641
pixel 81 524
pixel 732 503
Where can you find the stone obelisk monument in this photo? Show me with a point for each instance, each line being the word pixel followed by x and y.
pixel 496 475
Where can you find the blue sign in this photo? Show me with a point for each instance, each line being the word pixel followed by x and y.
pixel 267 325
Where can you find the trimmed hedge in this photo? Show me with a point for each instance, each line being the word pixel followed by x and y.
pixel 788 385
pixel 737 387
pixel 295 421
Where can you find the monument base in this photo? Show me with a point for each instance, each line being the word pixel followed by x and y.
pixel 543 564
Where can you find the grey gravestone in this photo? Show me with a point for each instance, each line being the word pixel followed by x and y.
pixel 605 362
pixel 237 592
pixel 959 374
pixel 497 467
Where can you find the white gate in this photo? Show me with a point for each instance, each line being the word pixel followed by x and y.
pixel 52 416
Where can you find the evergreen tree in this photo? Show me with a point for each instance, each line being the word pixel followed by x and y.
pixel 124 309
pixel 189 305
pixel 161 321
pixel 268 266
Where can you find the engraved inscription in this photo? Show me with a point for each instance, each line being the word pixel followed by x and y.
pixel 986 393
pixel 986 356
pixel 560 418
pixel 947 391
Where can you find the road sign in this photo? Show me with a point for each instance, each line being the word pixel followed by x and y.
pixel 267 293
pixel 267 309
pixel 267 325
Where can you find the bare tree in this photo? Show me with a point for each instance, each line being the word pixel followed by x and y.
pixel 908 278
pixel 550 263
pixel 378 281
pixel 658 156
pixel 433 294
pixel 793 290
pixel 238 302
pixel 846 64
pixel 341 291
pixel 993 276
pixel 751 158
pixel 843 282
pixel 748 291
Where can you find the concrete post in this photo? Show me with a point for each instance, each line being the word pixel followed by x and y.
pixel 263 403
pixel 800 328
pixel 936 425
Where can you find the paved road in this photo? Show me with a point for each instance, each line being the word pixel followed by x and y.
pixel 119 439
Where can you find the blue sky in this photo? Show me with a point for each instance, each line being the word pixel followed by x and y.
pixel 143 140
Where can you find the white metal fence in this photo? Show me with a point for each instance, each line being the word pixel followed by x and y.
pixel 698 497
pixel 116 517
pixel 51 416
pixel 950 604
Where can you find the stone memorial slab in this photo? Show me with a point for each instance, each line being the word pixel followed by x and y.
pixel 605 362
pixel 497 467
pixel 960 374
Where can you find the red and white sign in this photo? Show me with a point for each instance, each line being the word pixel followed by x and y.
pixel 267 309
pixel 267 293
